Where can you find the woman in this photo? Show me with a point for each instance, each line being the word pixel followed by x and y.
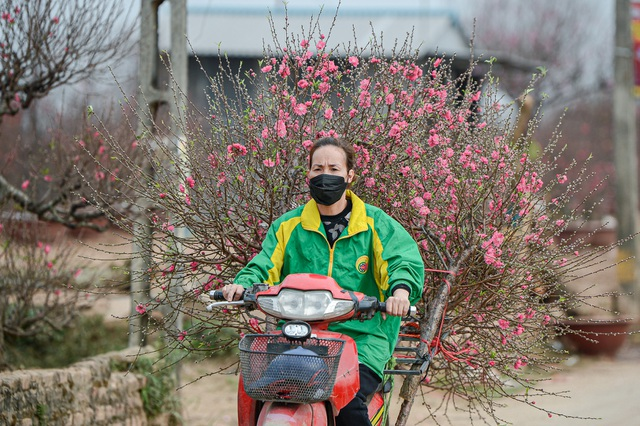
pixel 359 245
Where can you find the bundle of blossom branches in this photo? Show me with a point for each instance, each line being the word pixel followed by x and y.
pixel 439 152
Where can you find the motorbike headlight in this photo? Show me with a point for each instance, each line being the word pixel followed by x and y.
pixel 304 305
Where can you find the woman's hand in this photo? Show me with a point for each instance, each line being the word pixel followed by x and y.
pixel 398 305
pixel 232 292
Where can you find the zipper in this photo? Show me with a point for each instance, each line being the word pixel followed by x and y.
pixel 330 269
pixel 331 249
pixel 331 257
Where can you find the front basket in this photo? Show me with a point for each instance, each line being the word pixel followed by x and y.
pixel 276 369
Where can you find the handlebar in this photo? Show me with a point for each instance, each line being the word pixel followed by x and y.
pixel 221 301
pixel 218 296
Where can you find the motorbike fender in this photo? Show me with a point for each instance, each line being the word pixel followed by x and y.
pixel 247 407
pixel 283 414
pixel 348 374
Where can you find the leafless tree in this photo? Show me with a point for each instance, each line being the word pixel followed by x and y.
pixel 49 43
pixel 53 173
pixel 38 283
pixel 571 39
pixel 45 44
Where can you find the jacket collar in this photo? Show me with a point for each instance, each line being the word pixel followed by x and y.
pixel 310 217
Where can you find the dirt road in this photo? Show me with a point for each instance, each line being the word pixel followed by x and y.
pixel 606 391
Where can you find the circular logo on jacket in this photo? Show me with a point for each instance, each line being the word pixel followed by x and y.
pixel 362 264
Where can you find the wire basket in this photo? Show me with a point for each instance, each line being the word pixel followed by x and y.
pixel 276 369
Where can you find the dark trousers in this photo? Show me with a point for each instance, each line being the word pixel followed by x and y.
pixel 355 412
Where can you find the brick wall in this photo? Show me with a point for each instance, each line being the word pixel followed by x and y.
pixel 90 392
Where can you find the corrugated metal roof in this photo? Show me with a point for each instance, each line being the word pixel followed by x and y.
pixel 242 30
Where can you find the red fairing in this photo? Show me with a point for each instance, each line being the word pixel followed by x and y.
pixel 281 414
pixel 348 376
pixel 347 383
pixel 246 406
pixel 312 281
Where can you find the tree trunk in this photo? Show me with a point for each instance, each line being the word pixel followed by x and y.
pixel 429 326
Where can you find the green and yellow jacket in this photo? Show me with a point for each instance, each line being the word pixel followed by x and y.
pixel 372 255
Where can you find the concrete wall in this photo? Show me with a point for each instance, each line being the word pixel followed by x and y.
pixel 91 392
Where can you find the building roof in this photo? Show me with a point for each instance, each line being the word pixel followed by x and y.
pixel 243 29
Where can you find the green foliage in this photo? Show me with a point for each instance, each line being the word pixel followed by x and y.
pixel 85 337
pixel 41 414
pixel 159 394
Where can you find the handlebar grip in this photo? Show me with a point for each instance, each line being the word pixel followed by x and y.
pixel 382 307
pixel 216 295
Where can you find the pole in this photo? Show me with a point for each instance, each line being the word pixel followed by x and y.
pixel 625 157
pixel 156 96
pixel 142 230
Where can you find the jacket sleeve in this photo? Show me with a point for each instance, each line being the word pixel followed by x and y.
pixel 266 266
pixel 401 258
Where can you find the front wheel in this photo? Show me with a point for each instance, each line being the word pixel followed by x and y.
pixel 280 414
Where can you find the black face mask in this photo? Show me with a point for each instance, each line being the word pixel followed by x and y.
pixel 327 189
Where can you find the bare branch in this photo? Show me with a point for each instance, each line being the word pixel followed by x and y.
pixel 45 44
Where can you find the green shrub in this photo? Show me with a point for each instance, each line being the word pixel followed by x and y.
pixel 159 393
pixel 86 336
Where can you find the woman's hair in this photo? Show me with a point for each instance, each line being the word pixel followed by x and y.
pixel 349 152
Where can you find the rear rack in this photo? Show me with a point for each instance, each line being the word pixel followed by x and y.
pixel 406 352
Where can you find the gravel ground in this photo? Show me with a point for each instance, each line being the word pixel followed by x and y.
pixel 595 391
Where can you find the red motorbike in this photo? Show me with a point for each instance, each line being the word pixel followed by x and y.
pixel 302 373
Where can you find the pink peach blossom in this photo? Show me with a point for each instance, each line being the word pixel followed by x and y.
pixel 191 182
pixel 281 129
pixel 503 324
pixel 328 113
pixel 300 109
pixel 324 87
pixel 237 149
pixel 389 99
